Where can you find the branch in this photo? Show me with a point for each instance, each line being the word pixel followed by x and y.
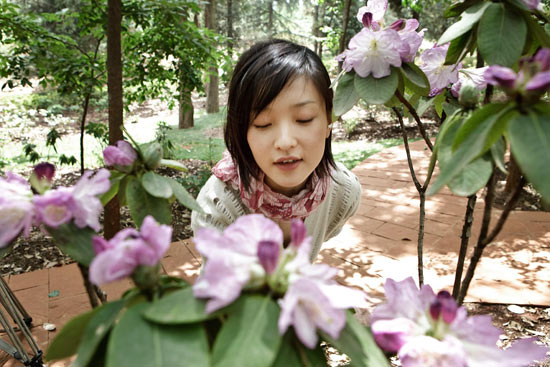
pixel 465 238
pixel 416 118
pixel 406 141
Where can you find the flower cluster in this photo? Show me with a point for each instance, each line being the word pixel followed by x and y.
pixel 532 80
pixel 129 249
pixel 122 156
pixel 374 49
pixel 249 255
pixel 19 208
pixel 430 330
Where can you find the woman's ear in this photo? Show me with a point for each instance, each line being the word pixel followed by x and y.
pixel 329 129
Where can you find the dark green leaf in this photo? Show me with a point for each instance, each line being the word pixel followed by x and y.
pixel 467 20
pixel 66 342
pixel 519 4
pixel 356 342
pixel 179 307
pixel 376 90
pixel 438 103
pixel 174 164
pixel 501 35
pixel 293 353
pixel 136 342
pixel 115 179
pixel 497 151
pixel 156 185
pixel 476 131
pixel 250 336
pixel 457 8
pixel 536 31
pixel 75 242
pixel 95 331
pixel 183 196
pixel 529 137
pixel 415 78
pixel 457 48
pixel 142 204
pixel 345 96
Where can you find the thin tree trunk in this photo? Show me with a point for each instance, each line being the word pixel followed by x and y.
pixel 465 239
pixel 212 87
pixel 514 175
pixel 186 113
pixel 345 22
pixel 315 30
pixel 230 40
pixel 270 19
pixel 82 126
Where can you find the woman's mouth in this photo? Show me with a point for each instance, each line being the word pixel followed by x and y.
pixel 288 164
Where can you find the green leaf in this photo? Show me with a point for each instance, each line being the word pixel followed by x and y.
pixel 457 8
pixel 66 342
pixel 467 20
pixel 136 342
pixel 536 31
pixel 357 342
pixel 376 90
pixel 179 307
pixel 75 242
pixel 156 185
pixel 95 331
pixel 519 4
pixel 115 179
pixel 418 82
pixel 438 103
pixel 345 96
pixel 142 204
pixel 423 105
pixel 501 35
pixel 174 164
pixel 184 197
pixel 497 152
pixel 479 126
pixel 458 48
pixel 293 353
pixel 529 137
pixel 250 336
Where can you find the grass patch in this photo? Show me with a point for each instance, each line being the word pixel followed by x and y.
pixel 351 153
pixel 194 143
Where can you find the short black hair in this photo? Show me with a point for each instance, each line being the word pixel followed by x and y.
pixel 259 76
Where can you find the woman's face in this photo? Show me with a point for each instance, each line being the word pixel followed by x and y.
pixel 287 138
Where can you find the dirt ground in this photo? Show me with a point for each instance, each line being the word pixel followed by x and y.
pixel 38 251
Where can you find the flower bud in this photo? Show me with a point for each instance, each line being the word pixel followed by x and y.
pixel 444 306
pixel 268 254
pixel 543 58
pixel 397 25
pixel 298 232
pixel 468 95
pixel 391 335
pixel 42 177
pixel 367 20
pixel 122 156
pixel 153 155
pixel 501 76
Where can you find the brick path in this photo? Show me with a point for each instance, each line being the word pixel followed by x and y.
pixel 377 243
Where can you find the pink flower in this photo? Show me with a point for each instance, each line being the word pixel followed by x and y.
pixel 474 76
pixel 532 4
pixel 501 76
pixel 432 331
pixel 128 249
pixel 16 209
pixel 79 203
pixel 410 37
pixel 42 177
pixel 433 65
pixel 376 7
pixel 232 258
pixel 311 303
pixel 373 52
pixel 120 155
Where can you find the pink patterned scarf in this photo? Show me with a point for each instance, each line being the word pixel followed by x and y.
pixel 273 205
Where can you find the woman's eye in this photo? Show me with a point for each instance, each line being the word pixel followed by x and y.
pixel 262 126
pixel 305 120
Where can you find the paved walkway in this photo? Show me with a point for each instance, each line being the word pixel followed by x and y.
pixel 377 243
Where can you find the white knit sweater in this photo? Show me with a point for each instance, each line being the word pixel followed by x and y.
pixel 222 206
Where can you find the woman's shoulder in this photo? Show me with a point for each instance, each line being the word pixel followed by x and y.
pixel 345 181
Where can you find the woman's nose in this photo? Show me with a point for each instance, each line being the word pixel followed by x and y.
pixel 285 137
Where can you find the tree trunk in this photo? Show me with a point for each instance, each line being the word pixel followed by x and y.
pixel 114 85
pixel 315 29
pixel 212 87
pixel 345 22
pixel 186 113
pixel 230 36
pixel 514 176
pixel 270 19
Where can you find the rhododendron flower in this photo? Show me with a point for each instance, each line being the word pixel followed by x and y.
pixel 373 52
pixel 120 155
pixel 532 4
pixel 474 76
pixel 428 330
pixel 232 258
pixel 79 203
pixel 410 37
pixel 501 76
pixel 128 249
pixel 377 9
pixel 16 209
pixel 42 177
pixel 432 63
